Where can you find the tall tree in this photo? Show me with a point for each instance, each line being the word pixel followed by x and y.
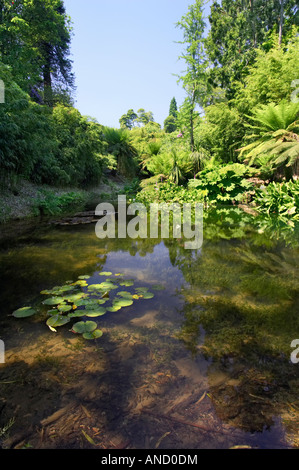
pixel 238 28
pixel 35 38
pixel 194 77
pixel 173 108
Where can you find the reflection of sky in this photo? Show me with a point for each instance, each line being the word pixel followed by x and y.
pixel 154 268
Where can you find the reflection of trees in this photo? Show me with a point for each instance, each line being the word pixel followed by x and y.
pixel 244 294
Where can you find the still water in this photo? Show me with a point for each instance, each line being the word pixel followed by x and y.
pixel 204 362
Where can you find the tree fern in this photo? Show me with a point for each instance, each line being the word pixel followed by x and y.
pixel 276 134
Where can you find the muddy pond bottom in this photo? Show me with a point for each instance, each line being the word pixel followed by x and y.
pixel 203 363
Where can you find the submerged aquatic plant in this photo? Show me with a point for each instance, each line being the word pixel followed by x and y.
pixel 79 299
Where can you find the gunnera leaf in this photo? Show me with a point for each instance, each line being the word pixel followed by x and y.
pixel 24 312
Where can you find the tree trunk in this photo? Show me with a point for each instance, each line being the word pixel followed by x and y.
pixel 281 20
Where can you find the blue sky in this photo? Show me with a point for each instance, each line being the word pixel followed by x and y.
pixel 124 56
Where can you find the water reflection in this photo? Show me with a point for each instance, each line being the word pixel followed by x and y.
pixel 211 349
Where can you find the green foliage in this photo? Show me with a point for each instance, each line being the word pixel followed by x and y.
pixel 48 203
pixel 276 134
pixel 269 77
pixel 221 132
pixel 238 28
pixel 224 184
pixel 280 200
pixel 170 124
pixel 120 146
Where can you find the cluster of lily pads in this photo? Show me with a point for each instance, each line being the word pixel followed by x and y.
pixel 80 299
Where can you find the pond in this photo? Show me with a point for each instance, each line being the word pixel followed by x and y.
pixel 203 362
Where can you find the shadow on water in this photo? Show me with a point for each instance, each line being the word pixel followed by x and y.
pixel 205 363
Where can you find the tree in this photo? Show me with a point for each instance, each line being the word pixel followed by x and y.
pixel 35 38
pixel 170 124
pixel 127 121
pixel 238 28
pixel 173 109
pixel 144 117
pixel 194 78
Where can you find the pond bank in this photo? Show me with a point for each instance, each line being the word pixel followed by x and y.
pixel 20 202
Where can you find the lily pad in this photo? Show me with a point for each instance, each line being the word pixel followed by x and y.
pixel 82 278
pixel 114 308
pixel 94 335
pixel 81 283
pixel 127 283
pixel 125 294
pixel 148 295
pixel 53 301
pixel 105 274
pixel 54 311
pixel 64 308
pixel 77 314
pixel 75 297
pixel 97 312
pixel 84 327
pixel 24 312
pixel 57 320
pixel 123 302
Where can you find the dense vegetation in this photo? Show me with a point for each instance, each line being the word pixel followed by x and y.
pixel 237 128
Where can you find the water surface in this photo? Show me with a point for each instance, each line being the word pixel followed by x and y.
pixel 205 363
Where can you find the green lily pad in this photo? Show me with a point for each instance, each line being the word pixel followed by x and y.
pixel 123 302
pixel 95 287
pixel 77 314
pixel 81 283
pixel 84 327
pixel 64 308
pixel 125 294
pixel 127 283
pixel 82 278
pixel 57 320
pixel 114 308
pixel 52 312
pixel 24 312
pixel 75 297
pixel 94 335
pixel 147 295
pixel 97 312
pixel 141 289
pixel 105 274
pixel 53 301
